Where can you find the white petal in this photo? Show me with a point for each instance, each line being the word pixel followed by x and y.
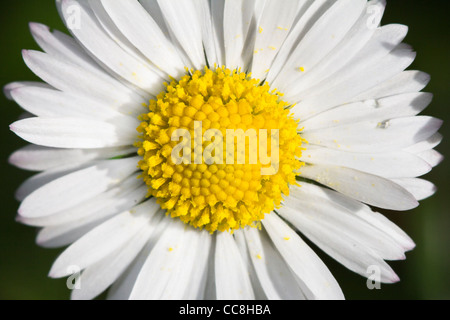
pixel 62 236
pixel 425 145
pixel 352 81
pixel 308 16
pixel 104 239
pixel 56 236
pixel 198 278
pixel 20 84
pixel 125 195
pixel 421 189
pixel 98 277
pixel 232 279
pixel 357 37
pixel 344 249
pixel 364 187
pixel 166 272
pixel 396 164
pixel 273 273
pixel 329 220
pixel 123 287
pixel 52 103
pixel 304 73
pixel 64 47
pixel 105 49
pixel 38 180
pixel 100 15
pixel 73 133
pixel 74 79
pixel 302 260
pixel 210 37
pixel 187 281
pixel 398 106
pixel 324 36
pixel 37 158
pixel 405 82
pixel 217 14
pixel 432 157
pixel 273 28
pixel 361 211
pixel 154 10
pixel 74 188
pixel 145 34
pixel 183 21
pixel 241 243
pixel 382 42
pixel 375 136
pixel 210 292
pixel 238 15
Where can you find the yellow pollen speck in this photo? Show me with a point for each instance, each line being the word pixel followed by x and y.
pixel 170 249
pixel 272 48
pixel 260 30
pixel 301 69
pixel 258 257
pixel 218 196
pixel 286 238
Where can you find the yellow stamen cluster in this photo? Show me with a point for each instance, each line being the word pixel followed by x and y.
pixel 217 196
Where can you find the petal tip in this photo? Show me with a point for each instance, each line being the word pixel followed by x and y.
pixel 7 90
pixel 55 274
pixel 410 246
pixel 395 278
pixel 58 270
pixel 36 26
pixel 13 159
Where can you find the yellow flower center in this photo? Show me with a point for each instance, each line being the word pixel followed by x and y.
pixel 236 158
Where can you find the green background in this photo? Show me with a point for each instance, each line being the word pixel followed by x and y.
pixel 424 275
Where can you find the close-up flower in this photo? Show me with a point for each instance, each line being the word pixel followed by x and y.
pixel 301 125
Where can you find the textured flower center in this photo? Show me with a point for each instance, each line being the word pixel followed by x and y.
pixel 218 149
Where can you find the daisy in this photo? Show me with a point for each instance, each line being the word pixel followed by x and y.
pixel 322 77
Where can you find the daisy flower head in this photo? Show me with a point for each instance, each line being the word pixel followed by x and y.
pixel 186 148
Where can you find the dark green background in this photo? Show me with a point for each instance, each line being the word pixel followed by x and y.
pixel 424 275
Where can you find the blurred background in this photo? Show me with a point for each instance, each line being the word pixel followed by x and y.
pixel 424 275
